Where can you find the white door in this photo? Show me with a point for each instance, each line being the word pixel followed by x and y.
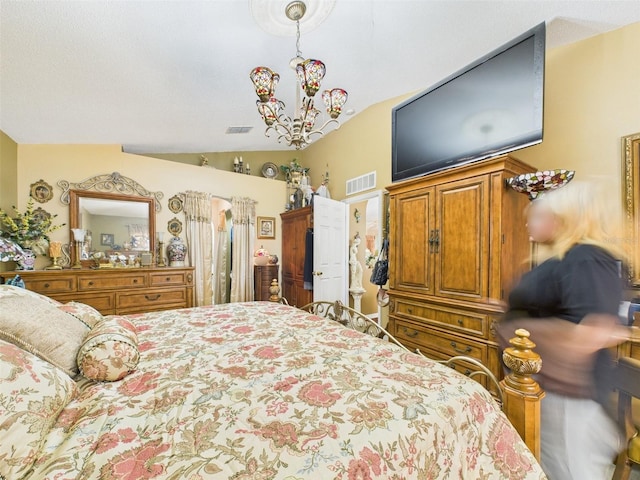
pixel 330 250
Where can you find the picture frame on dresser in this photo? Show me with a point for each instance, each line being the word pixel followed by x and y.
pixel 631 203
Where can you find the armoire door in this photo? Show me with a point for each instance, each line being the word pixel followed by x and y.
pixel 462 238
pixel 411 247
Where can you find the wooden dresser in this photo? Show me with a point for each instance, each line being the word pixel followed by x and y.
pixel 262 277
pixel 294 230
pixel 458 243
pixel 115 291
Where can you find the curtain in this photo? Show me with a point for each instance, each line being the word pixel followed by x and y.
pixel 243 212
pixel 221 268
pixel 198 211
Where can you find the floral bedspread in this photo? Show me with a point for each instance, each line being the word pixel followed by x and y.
pixel 266 391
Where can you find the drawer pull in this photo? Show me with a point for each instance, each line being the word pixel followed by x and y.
pixel 460 322
pixel 135 280
pixel 90 284
pixel 410 310
pixel 168 279
pixel 46 285
pixel 454 345
pixel 411 335
pixel 466 373
pixel 152 298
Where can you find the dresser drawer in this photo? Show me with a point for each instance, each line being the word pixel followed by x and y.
pixel 104 302
pixel 460 320
pixel 112 281
pixel 448 345
pixel 53 284
pixel 169 278
pixel 151 300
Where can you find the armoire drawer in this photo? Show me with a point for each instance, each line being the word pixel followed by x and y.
pixel 94 282
pixel 461 367
pixel 448 345
pixel 151 300
pixel 460 320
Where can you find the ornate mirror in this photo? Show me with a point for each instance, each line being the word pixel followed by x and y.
pixel 631 198
pixel 114 223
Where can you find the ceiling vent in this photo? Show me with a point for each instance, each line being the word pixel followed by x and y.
pixel 361 183
pixel 237 130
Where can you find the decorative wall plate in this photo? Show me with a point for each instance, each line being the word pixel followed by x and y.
pixel 175 204
pixel 41 191
pixel 41 215
pixel 270 170
pixel 535 184
pixel 174 227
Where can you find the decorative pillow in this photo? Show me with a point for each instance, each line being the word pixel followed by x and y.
pixel 12 290
pixel 41 328
pixel 85 313
pixel 110 351
pixel 32 396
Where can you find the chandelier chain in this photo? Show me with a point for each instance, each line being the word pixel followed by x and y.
pixel 298 52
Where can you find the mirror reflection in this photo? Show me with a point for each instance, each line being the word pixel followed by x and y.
pixel 115 224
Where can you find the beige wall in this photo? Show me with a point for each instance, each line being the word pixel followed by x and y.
pixel 592 98
pixel 78 162
pixel 224 160
pixel 8 171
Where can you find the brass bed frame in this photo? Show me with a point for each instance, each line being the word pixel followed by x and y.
pixel 518 394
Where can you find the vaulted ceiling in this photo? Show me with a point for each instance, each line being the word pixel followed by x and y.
pixel 172 76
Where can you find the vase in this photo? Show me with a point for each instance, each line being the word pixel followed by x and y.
pixel 27 260
pixel 177 251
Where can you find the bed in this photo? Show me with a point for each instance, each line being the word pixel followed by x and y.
pixel 255 390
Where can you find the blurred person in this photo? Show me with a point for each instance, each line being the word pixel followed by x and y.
pixel 569 303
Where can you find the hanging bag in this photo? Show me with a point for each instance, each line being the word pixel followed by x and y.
pixel 380 273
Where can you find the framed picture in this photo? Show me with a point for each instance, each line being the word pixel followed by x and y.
pixel 41 191
pixel 175 204
pixel 266 227
pixel 106 239
pixel 174 226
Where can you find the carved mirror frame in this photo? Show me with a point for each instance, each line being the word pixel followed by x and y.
pixel 631 199
pixel 113 186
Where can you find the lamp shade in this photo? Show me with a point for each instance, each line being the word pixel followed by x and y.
pixel 78 234
pixel 334 100
pixel 269 110
pixel 264 81
pixel 310 74
pixel 9 250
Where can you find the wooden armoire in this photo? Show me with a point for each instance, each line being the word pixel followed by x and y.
pixel 458 242
pixel 294 230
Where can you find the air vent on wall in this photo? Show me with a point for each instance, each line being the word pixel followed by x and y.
pixel 236 130
pixel 361 183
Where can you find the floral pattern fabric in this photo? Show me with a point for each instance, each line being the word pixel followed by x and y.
pixel 32 394
pixel 110 351
pixel 265 391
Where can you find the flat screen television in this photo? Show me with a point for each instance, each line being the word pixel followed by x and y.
pixel 489 108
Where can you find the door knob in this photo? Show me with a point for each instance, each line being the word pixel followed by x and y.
pixel 317 274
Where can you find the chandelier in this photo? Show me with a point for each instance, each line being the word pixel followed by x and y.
pixel 296 130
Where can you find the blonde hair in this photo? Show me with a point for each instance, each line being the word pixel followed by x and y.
pixel 583 216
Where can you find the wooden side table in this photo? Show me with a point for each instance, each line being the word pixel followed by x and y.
pixel 263 274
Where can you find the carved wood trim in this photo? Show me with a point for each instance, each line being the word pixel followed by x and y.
pixel 111 183
pixel 631 203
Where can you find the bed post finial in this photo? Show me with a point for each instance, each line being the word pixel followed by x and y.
pixel 274 290
pixel 522 394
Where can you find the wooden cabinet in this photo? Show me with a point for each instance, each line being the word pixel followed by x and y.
pixel 115 291
pixel 262 276
pixel 294 230
pixel 458 243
